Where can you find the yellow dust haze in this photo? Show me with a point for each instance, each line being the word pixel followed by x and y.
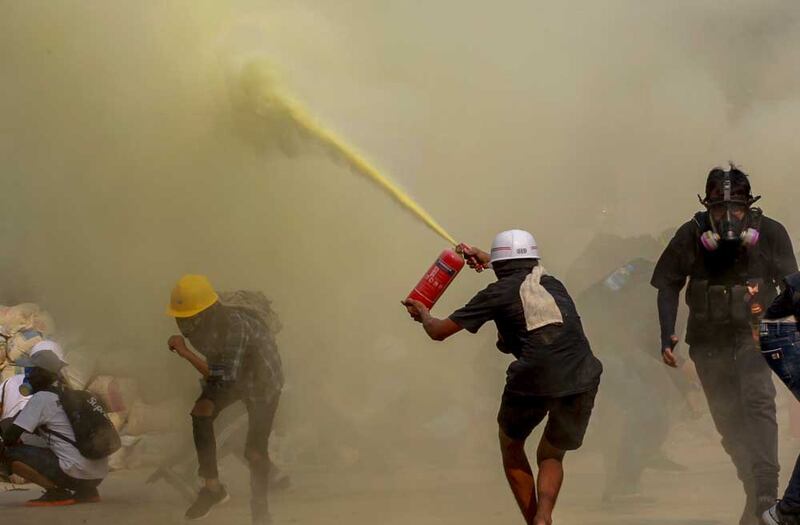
pixel 265 98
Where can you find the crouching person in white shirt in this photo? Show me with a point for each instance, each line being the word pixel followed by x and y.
pixel 11 403
pixel 60 469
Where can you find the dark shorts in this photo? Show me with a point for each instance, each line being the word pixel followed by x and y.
pixel 567 419
pixel 45 462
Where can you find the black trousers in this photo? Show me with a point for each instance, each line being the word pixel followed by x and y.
pixel 741 396
pixel 261 415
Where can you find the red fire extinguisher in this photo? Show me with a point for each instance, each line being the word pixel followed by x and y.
pixel 437 278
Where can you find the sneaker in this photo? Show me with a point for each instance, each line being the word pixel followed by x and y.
pixel 278 480
pixel 763 503
pixel 260 512
pixel 87 495
pixel 206 500
pixel 773 516
pixel 53 498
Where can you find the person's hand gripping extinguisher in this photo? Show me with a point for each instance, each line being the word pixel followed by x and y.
pixel 440 275
pixel 476 258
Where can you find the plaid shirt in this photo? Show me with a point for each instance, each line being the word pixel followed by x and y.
pixel 240 351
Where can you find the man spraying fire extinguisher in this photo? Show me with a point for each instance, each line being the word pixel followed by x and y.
pixel 554 375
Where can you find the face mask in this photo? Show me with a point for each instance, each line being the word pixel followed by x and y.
pixel 729 219
pixel 26 389
pixel 726 223
pixel 188 325
pixel 36 379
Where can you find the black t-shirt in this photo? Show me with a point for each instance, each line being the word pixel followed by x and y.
pixel 552 361
pixel 774 259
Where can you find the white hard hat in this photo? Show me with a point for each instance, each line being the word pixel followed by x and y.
pixel 514 244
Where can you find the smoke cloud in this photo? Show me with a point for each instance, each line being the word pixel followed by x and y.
pixel 127 162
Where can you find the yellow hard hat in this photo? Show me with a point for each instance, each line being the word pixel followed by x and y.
pixel 191 295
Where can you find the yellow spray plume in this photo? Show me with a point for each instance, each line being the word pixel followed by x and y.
pixel 265 97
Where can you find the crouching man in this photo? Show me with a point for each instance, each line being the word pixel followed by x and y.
pixel 59 468
pixel 555 374
pixel 239 362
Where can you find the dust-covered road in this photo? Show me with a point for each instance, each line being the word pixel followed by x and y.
pixel 705 495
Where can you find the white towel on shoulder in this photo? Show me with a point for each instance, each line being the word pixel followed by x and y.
pixel 540 307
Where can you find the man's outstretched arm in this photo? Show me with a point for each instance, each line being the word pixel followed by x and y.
pixel 437 329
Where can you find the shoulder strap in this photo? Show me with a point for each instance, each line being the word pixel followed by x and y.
pixel 59 391
pixel 700 220
pixel 59 435
pixel 758 263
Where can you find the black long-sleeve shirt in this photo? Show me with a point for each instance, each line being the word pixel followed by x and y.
pixel 668 299
pixel 788 301
pixel 677 263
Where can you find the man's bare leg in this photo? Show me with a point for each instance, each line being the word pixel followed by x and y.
pixel 21 469
pixel 519 475
pixel 551 475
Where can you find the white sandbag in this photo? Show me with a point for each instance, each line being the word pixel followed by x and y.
pixel 118 394
pixel 20 344
pixel 79 370
pixel 118 419
pixel 16 318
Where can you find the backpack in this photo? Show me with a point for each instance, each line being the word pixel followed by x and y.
pixel 255 304
pixel 95 435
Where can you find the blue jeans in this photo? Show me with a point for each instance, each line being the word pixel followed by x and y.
pixel 780 346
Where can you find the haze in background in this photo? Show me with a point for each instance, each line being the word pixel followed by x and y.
pixel 125 163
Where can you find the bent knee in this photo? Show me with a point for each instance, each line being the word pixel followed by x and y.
pixel 547 450
pixel 203 408
pixel 21 469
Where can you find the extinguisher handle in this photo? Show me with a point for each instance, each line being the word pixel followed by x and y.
pixel 472 260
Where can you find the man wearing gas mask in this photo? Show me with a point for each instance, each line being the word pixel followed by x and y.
pixel 239 361
pixel 734 258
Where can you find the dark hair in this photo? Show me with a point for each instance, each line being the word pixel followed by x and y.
pixel 740 184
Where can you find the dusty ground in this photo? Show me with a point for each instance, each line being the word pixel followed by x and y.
pixel 707 494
